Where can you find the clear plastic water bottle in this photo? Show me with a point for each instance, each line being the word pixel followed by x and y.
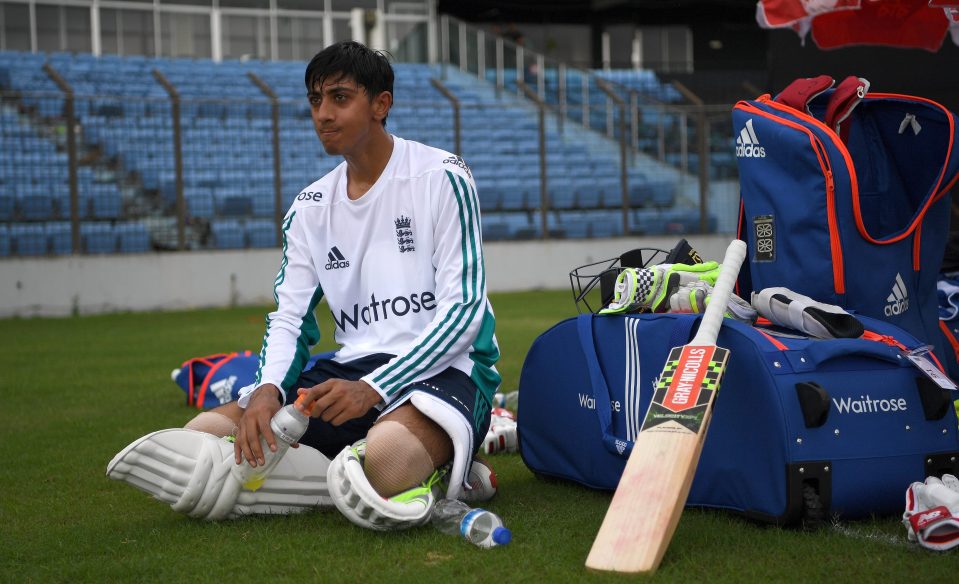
pixel 506 400
pixel 478 526
pixel 288 425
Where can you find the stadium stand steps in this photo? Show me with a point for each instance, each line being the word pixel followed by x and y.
pixel 127 177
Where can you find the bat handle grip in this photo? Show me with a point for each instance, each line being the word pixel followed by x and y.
pixel 713 316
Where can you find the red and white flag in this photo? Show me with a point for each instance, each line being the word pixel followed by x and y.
pixel 797 14
pixel 920 24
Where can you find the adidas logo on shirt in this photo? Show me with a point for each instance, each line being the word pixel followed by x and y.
pixel 898 299
pixel 337 260
pixel 747 144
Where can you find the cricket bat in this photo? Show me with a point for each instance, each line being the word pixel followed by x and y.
pixel 651 493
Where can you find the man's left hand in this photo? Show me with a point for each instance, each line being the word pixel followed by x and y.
pixel 337 400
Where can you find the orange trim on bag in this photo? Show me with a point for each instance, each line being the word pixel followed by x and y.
pixel 227 357
pixel 776 343
pixel 189 365
pixel 886 339
pixel 891 341
pixel 860 225
pixel 937 192
pixel 835 246
pixel 951 338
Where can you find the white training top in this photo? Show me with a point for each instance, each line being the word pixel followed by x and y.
pixel 401 269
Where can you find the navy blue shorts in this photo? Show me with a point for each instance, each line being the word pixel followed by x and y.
pixel 451 385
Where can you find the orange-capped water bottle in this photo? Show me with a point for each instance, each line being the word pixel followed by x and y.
pixel 288 425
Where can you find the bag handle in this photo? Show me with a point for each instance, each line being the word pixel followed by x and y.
pixel 680 335
pixel 819 353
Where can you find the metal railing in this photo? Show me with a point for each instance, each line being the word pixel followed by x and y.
pixel 142 175
pixel 666 122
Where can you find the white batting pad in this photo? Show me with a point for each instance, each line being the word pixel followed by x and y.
pixel 191 471
pixel 359 502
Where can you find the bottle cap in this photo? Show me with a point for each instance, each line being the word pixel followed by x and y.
pixel 299 404
pixel 502 536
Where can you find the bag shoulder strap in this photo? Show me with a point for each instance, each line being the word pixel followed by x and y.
pixel 680 335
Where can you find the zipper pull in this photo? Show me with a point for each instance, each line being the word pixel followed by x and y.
pixel 891 341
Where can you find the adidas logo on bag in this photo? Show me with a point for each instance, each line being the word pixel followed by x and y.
pixel 747 144
pixel 620 446
pixel 898 299
pixel 337 260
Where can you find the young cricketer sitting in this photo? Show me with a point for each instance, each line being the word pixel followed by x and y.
pixel 392 239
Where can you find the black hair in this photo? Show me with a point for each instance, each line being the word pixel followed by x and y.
pixel 370 69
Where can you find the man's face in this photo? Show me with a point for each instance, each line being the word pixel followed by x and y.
pixel 343 115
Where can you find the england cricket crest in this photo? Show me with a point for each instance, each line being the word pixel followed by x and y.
pixel 404 233
pixel 686 387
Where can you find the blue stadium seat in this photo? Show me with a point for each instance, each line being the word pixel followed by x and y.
pixel 29 239
pixel 561 195
pixel 575 224
pixel 261 233
pixel 605 224
pixel 610 190
pixel 658 194
pixel 227 234
pixel 663 194
pixel 589 197
pixel 130 118
pixel 106 202
pixel 522 225
pixel 199 201
pixel 495 230
pixel 647 222
pixel 133 237
pixel 263 203
pixel 98 238
pixel 4 240
pixel 514 196
pixel 35 205
pixel 6 207
pixel 490 198
pixel 60 236
pixel 681 221
pixel 231 205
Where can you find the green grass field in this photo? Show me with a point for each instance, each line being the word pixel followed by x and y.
pixel 77 390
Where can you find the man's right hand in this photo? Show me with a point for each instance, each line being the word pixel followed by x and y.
pixel 263 404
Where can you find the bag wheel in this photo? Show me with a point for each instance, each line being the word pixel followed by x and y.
pixel 813 513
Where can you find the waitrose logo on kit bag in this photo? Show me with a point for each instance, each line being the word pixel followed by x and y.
pixel 867 405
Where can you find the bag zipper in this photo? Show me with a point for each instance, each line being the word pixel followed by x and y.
pixel 835 245
pixel 885 339
pixel 866 335
pixel 916 227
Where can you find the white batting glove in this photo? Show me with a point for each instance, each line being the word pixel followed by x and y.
pixel 931 517
pixel 649 289
pixel 694 297
pixel 501 436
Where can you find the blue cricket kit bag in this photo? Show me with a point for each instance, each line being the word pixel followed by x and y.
pixel 841 426
pixel 214 380
pixel 844 199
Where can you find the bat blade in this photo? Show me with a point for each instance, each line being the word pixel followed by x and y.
pixel 652 491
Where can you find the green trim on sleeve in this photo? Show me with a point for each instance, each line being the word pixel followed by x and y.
pixel 280 277
pixel 450 328
pixel 309 336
